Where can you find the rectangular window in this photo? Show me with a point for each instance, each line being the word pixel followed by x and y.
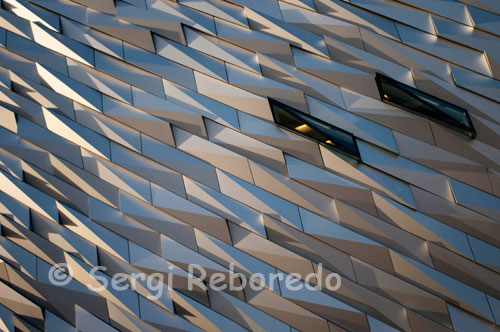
pixel 419 102
pixel 316 129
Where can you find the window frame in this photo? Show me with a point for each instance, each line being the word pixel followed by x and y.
pixel 291 111
pixel 462 129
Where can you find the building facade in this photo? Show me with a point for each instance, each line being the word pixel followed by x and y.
pixel 250 165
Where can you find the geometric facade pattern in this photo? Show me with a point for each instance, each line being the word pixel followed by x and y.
pixel 138 135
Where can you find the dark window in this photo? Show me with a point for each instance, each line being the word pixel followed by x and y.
pixel 316 129
pixel 413 100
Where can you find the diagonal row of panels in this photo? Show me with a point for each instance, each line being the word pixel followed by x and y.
pixel 137 135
